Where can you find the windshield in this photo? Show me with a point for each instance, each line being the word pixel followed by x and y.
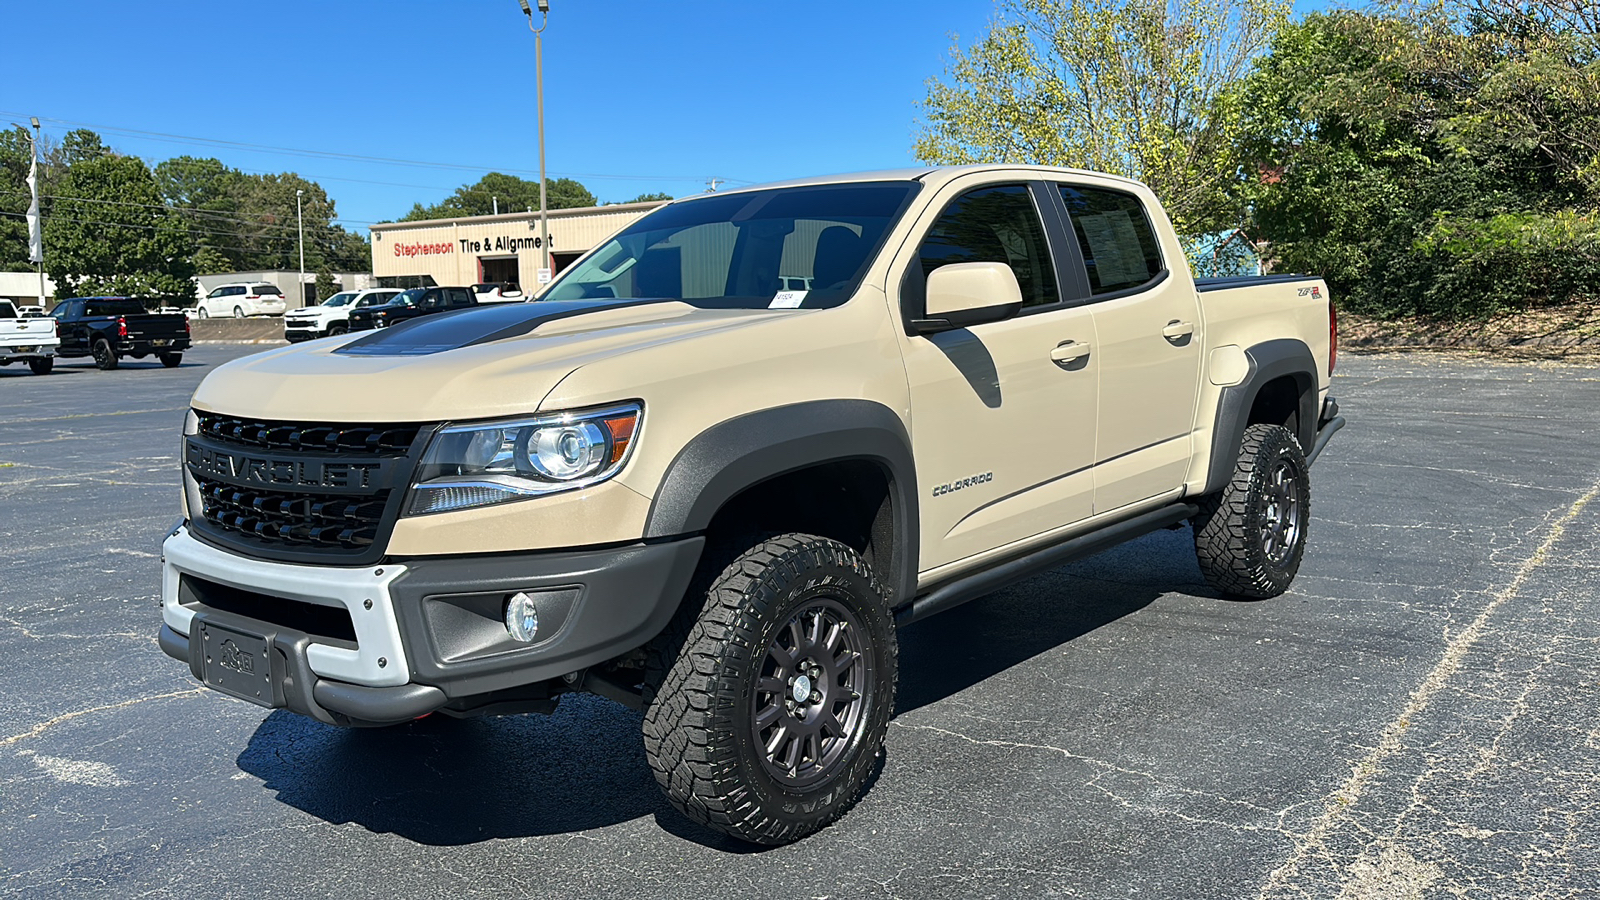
pixel 407 298
pixel 779 248
pixel 339 299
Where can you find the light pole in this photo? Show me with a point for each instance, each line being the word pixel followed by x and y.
pixel 300 226
pixel 538 57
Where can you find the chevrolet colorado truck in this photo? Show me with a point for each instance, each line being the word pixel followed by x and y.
pixel 28 340
pixel 680 483
pixel 111 329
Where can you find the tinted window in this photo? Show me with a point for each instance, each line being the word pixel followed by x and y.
pixel 234 291
pixel 217 293
pixel 995 224
pixel 460 297
pixel 113 307
pixel 7 311
pixel 739 250
pixel 268 289
pixel 1119 246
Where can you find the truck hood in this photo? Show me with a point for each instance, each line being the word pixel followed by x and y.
pixel 477 363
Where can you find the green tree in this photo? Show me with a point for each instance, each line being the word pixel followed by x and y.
pixel 511 193
pixel 1424 167
pixel 1133 87
pixel 107 232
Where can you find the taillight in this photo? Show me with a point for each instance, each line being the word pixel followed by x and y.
pixel 186 325
pixel 122 327
pixel 253 297
pixel 1333 335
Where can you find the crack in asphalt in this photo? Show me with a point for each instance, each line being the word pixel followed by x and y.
pixel 47 724
pixel 1340 804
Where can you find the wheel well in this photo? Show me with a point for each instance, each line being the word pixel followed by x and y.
pixel 848 501
pixel 1278 403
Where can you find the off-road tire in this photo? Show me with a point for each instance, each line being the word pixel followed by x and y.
pixel 702 689
pixel 1232 533
pixel 42 365
pixel 105 358
pixel 170 360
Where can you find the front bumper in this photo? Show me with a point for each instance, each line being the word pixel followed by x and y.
pixel 422 634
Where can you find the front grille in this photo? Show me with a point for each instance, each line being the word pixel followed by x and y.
pixel 374 439
pixel 301 491
pixel 302 520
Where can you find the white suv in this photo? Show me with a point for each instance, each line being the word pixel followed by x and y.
pixel 250 298
pixel 333 315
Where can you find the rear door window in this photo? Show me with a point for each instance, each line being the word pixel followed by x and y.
pixel 1119 247
pixel 995 224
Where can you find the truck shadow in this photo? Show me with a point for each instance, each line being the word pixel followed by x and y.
pixel 448 782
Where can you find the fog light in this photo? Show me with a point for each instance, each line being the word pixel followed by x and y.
pixel 522 618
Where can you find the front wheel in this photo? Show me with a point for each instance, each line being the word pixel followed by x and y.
pixel 337 328
pixel 42 365
pixel 105 358
pixel 773 694
pixel 204 314
pixel 171 360
pixel 1251 536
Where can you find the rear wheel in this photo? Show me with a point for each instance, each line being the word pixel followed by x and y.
pixel 772 692
pixel 43 365
pixel 105 358
pixel 238 312
pixel 171 360
pixel 1251 536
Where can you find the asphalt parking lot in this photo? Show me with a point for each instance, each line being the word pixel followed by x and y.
pixel 1416 718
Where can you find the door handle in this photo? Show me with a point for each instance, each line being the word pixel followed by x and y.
pixel 1177 330
pixel 1068 352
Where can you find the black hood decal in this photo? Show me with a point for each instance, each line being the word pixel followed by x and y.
pixel 479 325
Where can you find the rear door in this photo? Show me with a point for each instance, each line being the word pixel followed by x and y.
pixel 1147 319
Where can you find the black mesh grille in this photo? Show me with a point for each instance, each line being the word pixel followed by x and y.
pixel 294 521
pixel 371 439
pixel 304 520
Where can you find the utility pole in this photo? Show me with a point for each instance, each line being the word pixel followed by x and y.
pixel 711 184
pixel 33 183
pixel 300 226
pixel 538 57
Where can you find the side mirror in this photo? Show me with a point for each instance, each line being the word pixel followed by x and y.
pixel 967 294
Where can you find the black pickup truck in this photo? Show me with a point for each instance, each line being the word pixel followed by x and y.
pixel 411 304
pixel 110 328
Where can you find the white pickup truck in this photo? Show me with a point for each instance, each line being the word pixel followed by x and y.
pixel 31 340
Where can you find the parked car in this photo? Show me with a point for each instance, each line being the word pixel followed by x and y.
pixel 675 483
pixel 29 339
pixel 332 316
pixel 111 328
pixel 498 292
pixel 31 312
pixel 248 298
pixel 411 304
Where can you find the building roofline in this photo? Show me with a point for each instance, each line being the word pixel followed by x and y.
pixel 522 216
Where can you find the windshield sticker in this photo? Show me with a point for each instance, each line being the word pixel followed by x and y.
pixel 787 300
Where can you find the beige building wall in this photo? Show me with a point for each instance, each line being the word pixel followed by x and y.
pixel 452 251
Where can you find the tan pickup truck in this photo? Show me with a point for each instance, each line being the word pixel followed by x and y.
pixel 727 452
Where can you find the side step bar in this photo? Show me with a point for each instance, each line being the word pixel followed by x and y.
pixel 970 587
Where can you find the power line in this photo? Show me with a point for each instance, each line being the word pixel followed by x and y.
pixel 353 157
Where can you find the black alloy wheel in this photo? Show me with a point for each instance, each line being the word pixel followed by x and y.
pixel 808 704
pixel 767 698
pixel 105 358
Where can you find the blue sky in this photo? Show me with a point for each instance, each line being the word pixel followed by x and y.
pixel 640 95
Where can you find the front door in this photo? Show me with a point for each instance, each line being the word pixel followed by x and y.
pixel 1148 325
pixel 1003 433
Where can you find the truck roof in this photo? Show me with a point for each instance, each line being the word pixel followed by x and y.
pixel 930 175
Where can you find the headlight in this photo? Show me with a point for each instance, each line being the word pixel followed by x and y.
pixel 493 462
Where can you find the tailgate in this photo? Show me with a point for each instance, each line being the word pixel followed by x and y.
pixel 27 332
pixel 166 326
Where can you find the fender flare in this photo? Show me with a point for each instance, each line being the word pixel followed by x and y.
pixel 742 452
pixel 1269 361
